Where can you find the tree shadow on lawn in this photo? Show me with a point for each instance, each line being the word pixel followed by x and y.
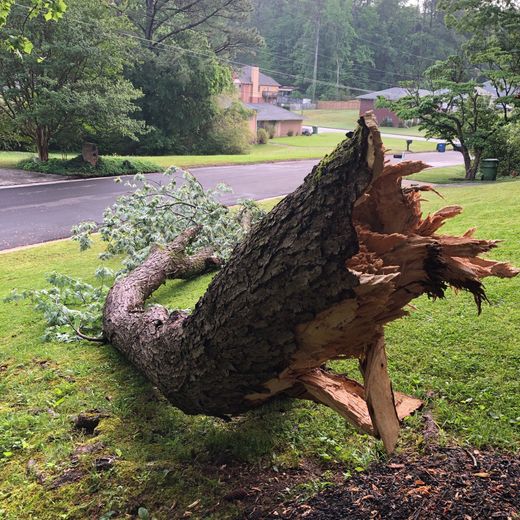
pixel 260 457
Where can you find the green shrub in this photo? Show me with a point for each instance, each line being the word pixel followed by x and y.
pixel 106 166
pixel 504 145
pixel 270 129
pixel 387 122
pixel 229 132
pixel 290 133
pixel 262 136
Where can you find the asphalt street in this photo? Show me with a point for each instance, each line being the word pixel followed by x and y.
pixel 41 212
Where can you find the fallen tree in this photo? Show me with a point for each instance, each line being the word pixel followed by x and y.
pixel 316 280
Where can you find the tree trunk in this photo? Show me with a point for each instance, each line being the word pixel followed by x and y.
pixel 475 164
pixel 42 143
pixel 316 280
pixel 470 166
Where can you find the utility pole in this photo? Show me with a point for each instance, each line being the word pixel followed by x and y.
pixel 316 49
pixel 338 65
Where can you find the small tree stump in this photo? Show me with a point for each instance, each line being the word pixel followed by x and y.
pixel 90 153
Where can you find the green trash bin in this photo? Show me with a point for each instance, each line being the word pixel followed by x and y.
pixel 314 129
pixel 488 169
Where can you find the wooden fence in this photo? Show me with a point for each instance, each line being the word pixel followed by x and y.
pixel 353 104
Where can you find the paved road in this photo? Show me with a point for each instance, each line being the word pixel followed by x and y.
pixel 41 212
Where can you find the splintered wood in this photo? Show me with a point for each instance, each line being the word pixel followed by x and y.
pixel 316 280
pixel 401 256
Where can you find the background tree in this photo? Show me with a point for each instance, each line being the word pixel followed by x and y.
pixel 72 83
pixel 458 110
pixel 220 21
pixel 409 39
pixel 179 100
pixel 181 75
pixel 49 9
pixel 493 30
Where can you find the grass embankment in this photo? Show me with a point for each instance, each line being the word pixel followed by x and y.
pixel 278 149
pixel 347 119
pixel 445 175
pixel 451 175
pixel 105 167
pixel 465 368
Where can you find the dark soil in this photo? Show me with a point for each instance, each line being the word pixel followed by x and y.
pixel 447 483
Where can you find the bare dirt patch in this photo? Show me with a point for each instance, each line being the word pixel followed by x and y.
pixel 447 483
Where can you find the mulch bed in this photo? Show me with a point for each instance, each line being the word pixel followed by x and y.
pixel 447 483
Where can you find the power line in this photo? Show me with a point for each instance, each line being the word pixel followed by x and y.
pixel 270 52
pixel 401 52
pixel 354 76
pixel 219 58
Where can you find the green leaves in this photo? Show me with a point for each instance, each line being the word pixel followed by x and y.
pixel 153 214
pixel 49 9
pixel 5 9
pixel 69 305
pixel 65 80
pixel 157 213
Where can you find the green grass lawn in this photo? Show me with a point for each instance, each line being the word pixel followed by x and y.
pixel 278 149
pixel 451 175
pixel 465 367
pixel 446 175
pixel 347 119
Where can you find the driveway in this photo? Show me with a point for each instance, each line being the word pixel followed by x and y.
pixel 46 211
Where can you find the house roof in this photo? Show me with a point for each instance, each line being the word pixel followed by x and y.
pixel 268 112
pixel 244 75
pixel 393 93
pixel 488 88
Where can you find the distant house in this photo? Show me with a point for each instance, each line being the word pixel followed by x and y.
pixel 488 89
pixel 367 102
pixel 255 86
pixel 283 121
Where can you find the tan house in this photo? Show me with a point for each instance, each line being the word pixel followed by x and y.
pixel 255 86
pixel 282 121
pixel 259 92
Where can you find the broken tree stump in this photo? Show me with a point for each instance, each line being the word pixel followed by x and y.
pixel 90 153
pixel 316 280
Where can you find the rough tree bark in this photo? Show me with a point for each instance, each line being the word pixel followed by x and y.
pixel 42 143
pixel 316 280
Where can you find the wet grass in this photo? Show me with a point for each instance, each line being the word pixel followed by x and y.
pixel 465 367
pixel 453 175
pixel 347 119
pixel 278 149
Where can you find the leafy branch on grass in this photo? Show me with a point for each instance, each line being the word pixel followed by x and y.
pixel 152 215
pixel 71 308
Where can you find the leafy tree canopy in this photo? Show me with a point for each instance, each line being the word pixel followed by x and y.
pixel 222 22
pixel 365 44
pixel 49 9
pixel 458 109
pixel 72 84
pixel 181 73
pixel 493 31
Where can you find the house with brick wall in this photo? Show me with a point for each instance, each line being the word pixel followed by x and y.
pixel 282 121
pixel 256 87
pixel 368 102
pixel 259 92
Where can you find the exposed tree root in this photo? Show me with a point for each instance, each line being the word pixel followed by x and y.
pixel 315 281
